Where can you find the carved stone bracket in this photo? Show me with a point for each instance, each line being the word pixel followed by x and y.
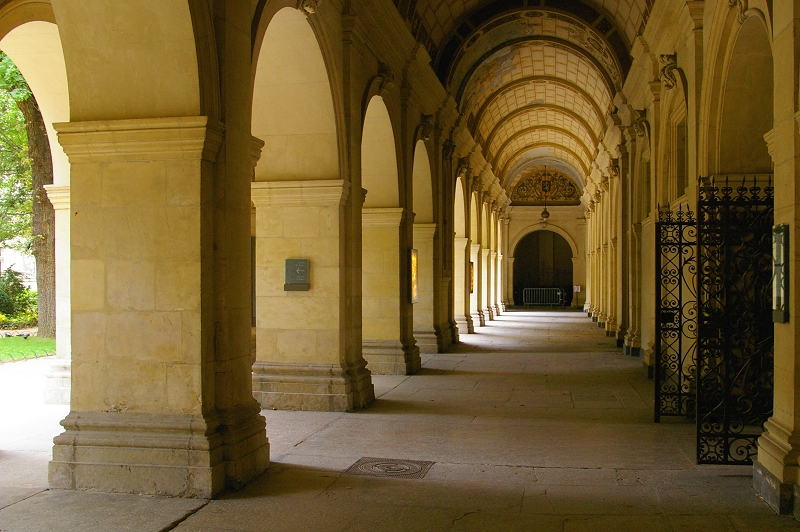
pixel 613 169
pixel 669 64
pixel 308 7
pixel 464 169
pixel 640 123
pixel 386 77
pixel 426 127
pixel 743 6
pixel 448 148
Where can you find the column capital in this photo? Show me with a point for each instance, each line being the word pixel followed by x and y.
pixel 300 193
pixel 58 196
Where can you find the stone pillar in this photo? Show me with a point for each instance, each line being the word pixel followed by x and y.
pixel 508 281
pixel 300 363
pixel 497 286
pixel 495 279
pixel 58 379
pixel 384 348
pixel 426 334
pixel 161 399
pixel 486 284
pixel 776 473
pixel 461 295
pixel 633 341
pixel 475 299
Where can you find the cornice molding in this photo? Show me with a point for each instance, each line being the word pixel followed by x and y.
pixel 299 193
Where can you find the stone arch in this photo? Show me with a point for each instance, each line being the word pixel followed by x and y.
pixel 459 210
pixel 379 161
pixel 423 185
pixel 561 272
pixel 735 46
pixel 550 227
pixel 293 106
pixel 474 219
pixel 673 144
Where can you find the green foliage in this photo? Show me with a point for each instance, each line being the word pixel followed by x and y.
pixel 6 305
pixel 18 305
pixel 16 191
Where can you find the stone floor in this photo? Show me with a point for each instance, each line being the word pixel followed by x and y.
pixel 535 423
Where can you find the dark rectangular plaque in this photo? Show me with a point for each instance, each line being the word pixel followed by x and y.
pixel 296 278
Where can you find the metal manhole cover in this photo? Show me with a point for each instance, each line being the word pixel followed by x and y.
pixel 390 468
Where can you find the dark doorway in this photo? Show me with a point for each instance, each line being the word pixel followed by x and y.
pixel 543 259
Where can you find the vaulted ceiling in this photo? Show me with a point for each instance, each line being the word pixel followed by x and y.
pixel 535 79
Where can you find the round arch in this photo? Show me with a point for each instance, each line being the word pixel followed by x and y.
pixel 538 227
pixel 379 162
pixel 423 185
pixel 459 210
pixel 543 259
pixel 723 36
pixel 293 104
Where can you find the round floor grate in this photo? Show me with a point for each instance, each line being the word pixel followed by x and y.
pixel 390 468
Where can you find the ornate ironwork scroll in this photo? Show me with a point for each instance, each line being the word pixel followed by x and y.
pixel 676 314
pixel 735 332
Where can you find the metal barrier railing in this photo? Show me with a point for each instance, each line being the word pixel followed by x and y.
pixel 542 296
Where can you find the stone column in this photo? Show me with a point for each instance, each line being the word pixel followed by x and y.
pixel 384 348
pixel 508 281
pixel 475 299
pixel 776 473
pixel 633 341
pixel 161 399
pixel 486 284
pixel 425 332
pixel 58 378
pixel 461 295
pixel 300 363
pixel 496 283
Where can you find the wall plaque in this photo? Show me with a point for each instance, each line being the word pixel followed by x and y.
pixel 296 277
pixel 414 276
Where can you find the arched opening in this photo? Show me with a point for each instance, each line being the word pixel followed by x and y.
pixel 542 259
pixel 383 303
pixel 461 260
pixel 35 48
pixel 299 200
pixel 747 105
pixel 424 234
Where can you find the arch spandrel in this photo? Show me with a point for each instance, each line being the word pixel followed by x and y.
pixel 128 60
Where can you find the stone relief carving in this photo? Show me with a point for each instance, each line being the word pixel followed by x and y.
pixel 669 64
pixel 308 7
pixel 613 169
pixel 562 189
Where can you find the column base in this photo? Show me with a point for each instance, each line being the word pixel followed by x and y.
pixel 780 496
pixel 631 345
pixel 632 351
pixel 454 333
pixel 464 325
pixel 428 340
pixel 488 312
pixel 391 357
pixel 594 318
pixel 311 387
pixel 173 455
pixel 601 324
pixel 444 334
pixel 58 382
pixel 497 310
pixel 479 318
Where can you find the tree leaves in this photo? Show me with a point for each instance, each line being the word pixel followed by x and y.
pixel 16 193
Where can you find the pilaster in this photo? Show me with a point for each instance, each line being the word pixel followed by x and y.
pixel 428 336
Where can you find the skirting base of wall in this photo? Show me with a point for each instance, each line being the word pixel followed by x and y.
pixel 780 496
pixel 390 357
pixel 150 454
pixel 311 387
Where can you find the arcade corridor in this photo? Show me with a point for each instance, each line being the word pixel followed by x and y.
pixel 536 422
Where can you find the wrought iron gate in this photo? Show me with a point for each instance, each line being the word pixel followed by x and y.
pixel 735 331
pixel 676 314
